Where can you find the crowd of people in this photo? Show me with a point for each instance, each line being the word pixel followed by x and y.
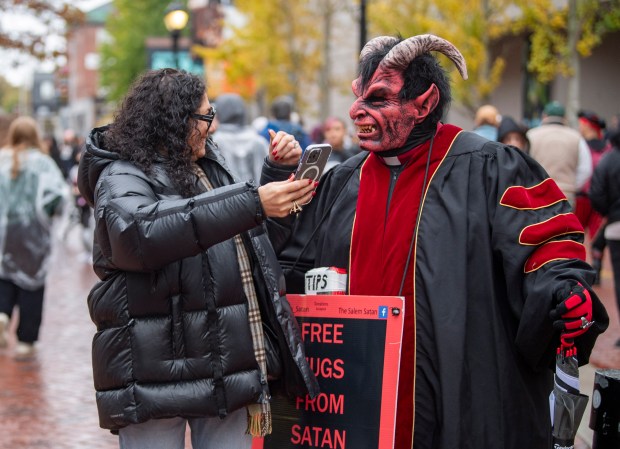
pixel 199 234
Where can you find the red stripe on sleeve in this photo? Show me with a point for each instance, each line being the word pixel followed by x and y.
pixel 536 197
pixel 555 226
pixel 555 250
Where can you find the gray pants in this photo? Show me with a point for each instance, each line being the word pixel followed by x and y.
pixel 206 433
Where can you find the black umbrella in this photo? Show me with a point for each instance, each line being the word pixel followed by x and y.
pixel 567 403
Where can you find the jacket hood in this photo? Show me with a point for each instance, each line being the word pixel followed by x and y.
pixel 509 125
pixel 94 159
pixel 230 109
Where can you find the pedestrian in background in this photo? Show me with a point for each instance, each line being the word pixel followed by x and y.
pixel 243 149
pixel 336 134
pixel 605 196
pixel 612 126
pixel 486 121
pixel 67 153
pixel 512 133
pixel 561 151
pixel 33 191
pixel 282 120
pixel 188 275
pixel 591 128
pixel 81 215
pixel 50 145
pixel 317 135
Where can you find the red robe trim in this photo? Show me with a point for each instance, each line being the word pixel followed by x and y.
pixel 541 195
pixel 380 243
pixel 554 227
pixel 555 250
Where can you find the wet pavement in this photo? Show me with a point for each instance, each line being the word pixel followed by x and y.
pixel 49 401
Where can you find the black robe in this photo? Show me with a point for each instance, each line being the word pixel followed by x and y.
pixel 485 344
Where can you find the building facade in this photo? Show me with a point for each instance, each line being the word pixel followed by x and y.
pixel 84 100
pixel 515 97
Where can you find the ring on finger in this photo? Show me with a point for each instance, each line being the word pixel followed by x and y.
pixel 585 323
pixel 295 209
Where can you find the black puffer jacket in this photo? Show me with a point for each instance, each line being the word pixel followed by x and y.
pixel 173 337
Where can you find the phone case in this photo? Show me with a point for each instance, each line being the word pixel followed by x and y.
pixel 313 161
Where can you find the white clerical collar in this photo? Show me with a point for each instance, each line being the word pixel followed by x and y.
pixel 391 160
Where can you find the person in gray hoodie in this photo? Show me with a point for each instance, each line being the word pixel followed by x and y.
pixel 240 145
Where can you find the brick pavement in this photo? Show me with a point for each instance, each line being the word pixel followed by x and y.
pixel 49 402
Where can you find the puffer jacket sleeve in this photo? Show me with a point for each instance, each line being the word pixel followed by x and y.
pixel 279 229
pixel 137 231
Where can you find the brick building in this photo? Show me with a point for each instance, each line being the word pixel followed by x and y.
pixel 84 99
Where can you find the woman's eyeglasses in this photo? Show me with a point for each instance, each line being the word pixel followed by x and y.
pixel 208 117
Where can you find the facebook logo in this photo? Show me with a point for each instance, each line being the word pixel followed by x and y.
pixel 383 312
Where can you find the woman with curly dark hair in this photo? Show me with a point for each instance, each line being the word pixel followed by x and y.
pixel 191 302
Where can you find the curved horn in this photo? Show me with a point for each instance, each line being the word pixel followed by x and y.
pixel 402 54
pixel 376 44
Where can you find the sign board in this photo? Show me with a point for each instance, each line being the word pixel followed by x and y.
pixel 353 346
pixel 160 59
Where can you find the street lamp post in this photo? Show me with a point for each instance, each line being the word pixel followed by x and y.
pixel 175 20
pixel 362 24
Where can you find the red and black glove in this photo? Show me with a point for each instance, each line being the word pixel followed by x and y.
pixel 573 315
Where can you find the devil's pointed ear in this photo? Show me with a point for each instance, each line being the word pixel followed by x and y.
pixel 426 103
pixel 356 87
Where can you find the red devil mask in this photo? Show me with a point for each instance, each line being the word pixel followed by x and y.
pixel 384 121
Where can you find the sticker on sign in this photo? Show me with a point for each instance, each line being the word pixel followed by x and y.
pixel 326 281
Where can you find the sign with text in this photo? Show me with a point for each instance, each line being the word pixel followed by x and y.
pixel 353 346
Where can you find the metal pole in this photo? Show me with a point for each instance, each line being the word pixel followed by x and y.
pixel 175 47
pixel 362 24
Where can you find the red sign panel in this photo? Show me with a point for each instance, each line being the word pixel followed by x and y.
pixel 353 346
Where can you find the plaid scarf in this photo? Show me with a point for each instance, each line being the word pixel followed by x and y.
pixel 259 415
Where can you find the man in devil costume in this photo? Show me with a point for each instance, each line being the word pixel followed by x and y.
pixel 477 238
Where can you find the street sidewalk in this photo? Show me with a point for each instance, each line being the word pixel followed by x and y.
pixel 605 354
pixel 49 401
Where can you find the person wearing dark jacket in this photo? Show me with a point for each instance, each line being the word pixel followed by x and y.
pixel 282 113
pixel 512 133
pixel 243 149
pixel 474 235
pixel 591 127
pixel 605 197
pixel 190 304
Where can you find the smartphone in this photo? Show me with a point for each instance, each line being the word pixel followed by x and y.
pixel 313 161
